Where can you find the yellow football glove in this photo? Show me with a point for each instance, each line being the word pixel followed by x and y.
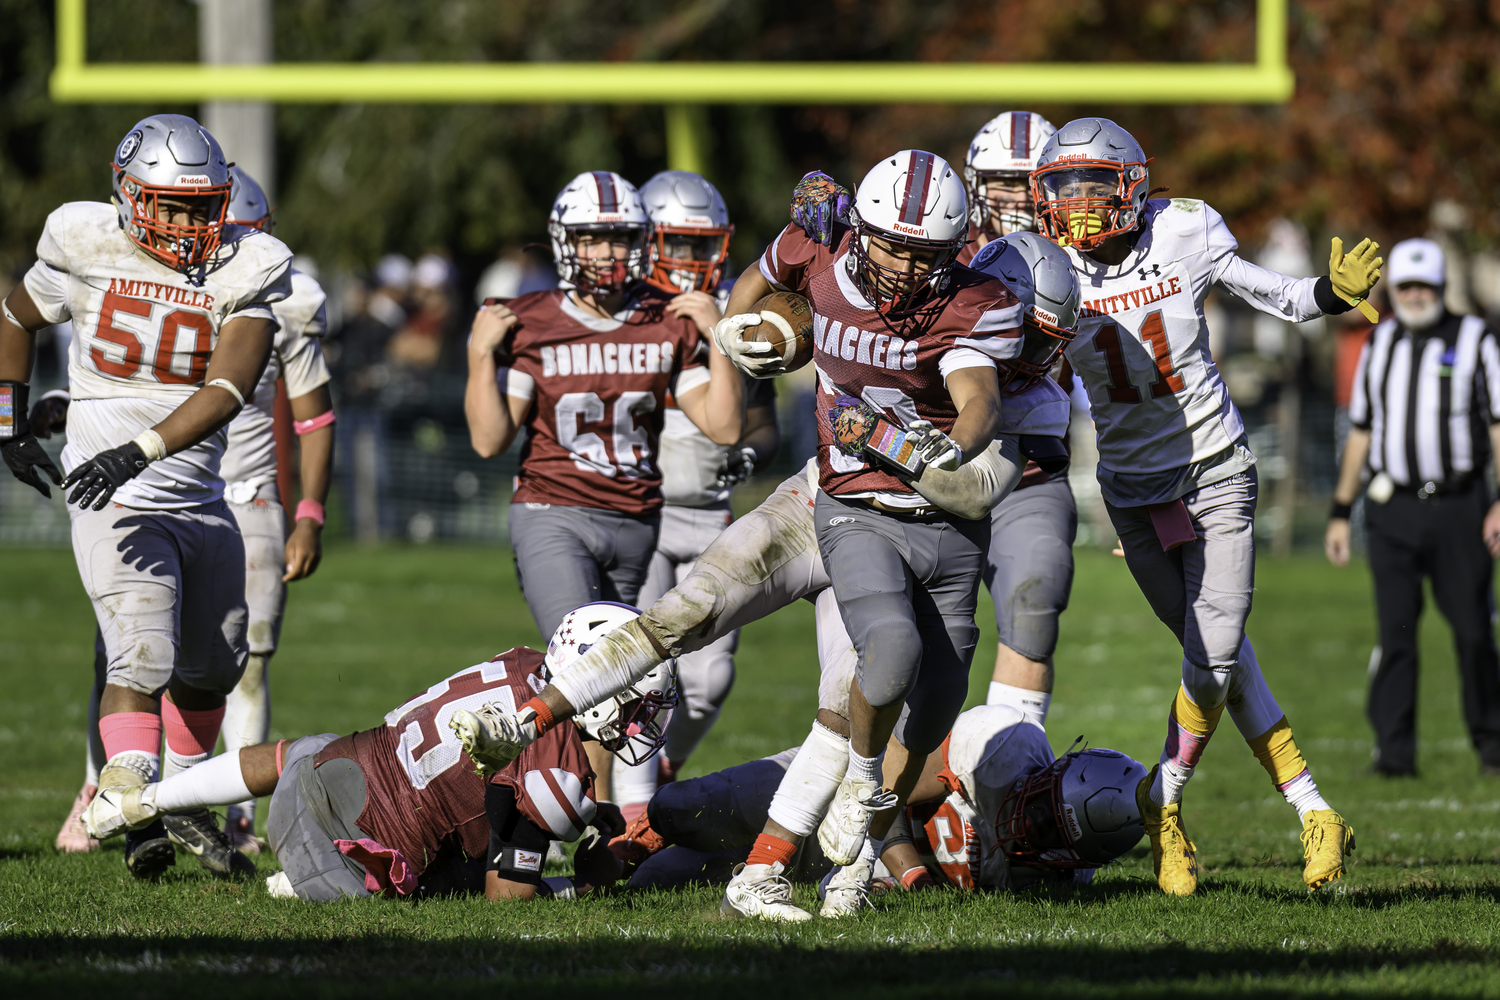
pixel 1355 273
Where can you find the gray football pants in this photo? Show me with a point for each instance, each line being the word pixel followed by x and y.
pixel 1201 590
pixel 1029 570
pixel 262 524
pixel 570 556
pixel 907 588
pixel 312 807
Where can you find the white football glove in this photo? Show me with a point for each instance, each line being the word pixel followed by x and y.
pixel 936 448
pixel 754 359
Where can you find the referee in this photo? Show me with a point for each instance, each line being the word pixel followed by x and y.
pixel 1425 418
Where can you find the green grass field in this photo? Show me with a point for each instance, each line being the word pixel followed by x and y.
pixel 1416 915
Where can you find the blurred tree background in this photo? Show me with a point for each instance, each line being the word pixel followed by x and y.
pixel 1397 104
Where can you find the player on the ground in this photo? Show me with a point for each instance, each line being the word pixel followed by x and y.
pixel 173 322
pixel 401 808
pixel 586 369
pixel 1177 475
pixel 248 468
pixel 992 809
pixel 690 233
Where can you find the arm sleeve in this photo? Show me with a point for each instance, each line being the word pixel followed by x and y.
pixel 1489 373
pixel 47 281
pixel 1292 299
pixel 303 367
pixel 518 847
pixel 1359 392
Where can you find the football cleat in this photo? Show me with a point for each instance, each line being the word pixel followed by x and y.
pixel 760 892
pixel 117 810
pixel 126 769
pixel 1173 855
pixel 846 891
pixel 1326 838
pixel 148 852
pixel 637 843
pixel 492 736
pixel 196 832
pixel 842 832
pixel 74 837
pixel 240 827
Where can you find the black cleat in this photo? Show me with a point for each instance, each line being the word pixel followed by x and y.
pixel 148 852
pixel 199 834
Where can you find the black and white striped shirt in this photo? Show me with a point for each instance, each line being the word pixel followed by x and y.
pixel 1428 399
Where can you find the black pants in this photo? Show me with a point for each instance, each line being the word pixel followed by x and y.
pixel 1439 538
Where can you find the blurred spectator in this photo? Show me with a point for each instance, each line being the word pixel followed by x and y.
pixel 1424 416
pixel 514 273
pixel 418 344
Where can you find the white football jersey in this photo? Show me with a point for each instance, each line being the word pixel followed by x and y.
pixel 1165 422
pixel 250 459
pixel 142 336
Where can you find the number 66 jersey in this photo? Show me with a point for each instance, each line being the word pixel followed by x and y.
pixel 142 335
pixel 1165 422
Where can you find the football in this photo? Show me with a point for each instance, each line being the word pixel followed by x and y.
pixel 787 325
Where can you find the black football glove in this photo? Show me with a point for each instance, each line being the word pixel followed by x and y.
pixel 97 479
pixel 22 452
pixel 738 466
pixel 819 201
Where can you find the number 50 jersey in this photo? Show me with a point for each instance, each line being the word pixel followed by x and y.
pixel 1165 421
pixel 142 335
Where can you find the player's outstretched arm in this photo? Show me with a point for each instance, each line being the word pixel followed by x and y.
pixel 304 545
pixel 718 408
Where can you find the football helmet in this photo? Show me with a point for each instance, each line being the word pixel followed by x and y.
pixel 1042 276
pixel 171 157
pixel 598 202
pixel 1006 148
pixel 690 232
pixel 248 205
pixel 1078 812
pixel 628 725
pixel 912 200
pixel 1090 183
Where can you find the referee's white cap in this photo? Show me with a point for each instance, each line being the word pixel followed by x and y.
pixel 1416 260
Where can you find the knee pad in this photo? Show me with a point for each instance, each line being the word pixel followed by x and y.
pixel 1207 686
pixel 930 712
pixel 889 660
pixel 688 610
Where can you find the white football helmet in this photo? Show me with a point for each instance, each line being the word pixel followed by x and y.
pixel 629 724
pixel 690 232
pixel 1078 812
pixel 1043 278
pixel 248 205
pixel 1090 183
pixel 911 199
pixel 1006 148
pixel 598 201
pixel 171 157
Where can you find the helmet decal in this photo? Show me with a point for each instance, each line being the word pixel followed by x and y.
pixel 609 201
pixel 1020 137
pixel 918 177
pixel 129 146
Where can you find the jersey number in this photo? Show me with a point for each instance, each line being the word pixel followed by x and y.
pixel 632 451
pixel 141 335
pixel 422 724
pixel 1154 335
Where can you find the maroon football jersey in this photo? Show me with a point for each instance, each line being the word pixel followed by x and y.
pixel 422 790
pixel 896 368
pixel 599 390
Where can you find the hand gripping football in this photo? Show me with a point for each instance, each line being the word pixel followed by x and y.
pixel 787 325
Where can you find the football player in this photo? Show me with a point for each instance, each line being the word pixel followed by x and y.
pixel 272 557
pixel 173 320
pixel 690 232
pixel 1175 469
pixel 586 370
pixel 992 809
pixel 401 808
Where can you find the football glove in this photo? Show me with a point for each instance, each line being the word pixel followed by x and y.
pixel 738 466
pixel 22 452
pixel 751 357
pixel 936 448
pixel 1353 274
pixel 818 201
pixel 96 480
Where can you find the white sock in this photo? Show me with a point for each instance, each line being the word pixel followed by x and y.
pixel 865 768
pixel 1302 793
pixel 810 781
pixel 217 781
pixel 173 763
pixel 1170 780
pixel 636 784
pixel 871 850
pixel 1032 704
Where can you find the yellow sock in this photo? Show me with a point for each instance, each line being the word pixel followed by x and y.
pixel 1276 749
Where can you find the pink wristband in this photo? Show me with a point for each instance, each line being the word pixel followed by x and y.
pixel 311 510
pixel 316 423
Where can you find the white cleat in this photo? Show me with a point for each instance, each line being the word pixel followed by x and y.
pixel 280 887
pixel 492 736
pixel 74 837
pixel 759 892
pixel 116 810
pixel 846 890
pixel 842 832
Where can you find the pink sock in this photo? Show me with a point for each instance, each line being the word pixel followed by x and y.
pixel 124 731
pixel 190 733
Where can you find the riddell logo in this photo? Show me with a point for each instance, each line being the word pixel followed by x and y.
pixel 194 180
pixel 1044 315
pixel 902 227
